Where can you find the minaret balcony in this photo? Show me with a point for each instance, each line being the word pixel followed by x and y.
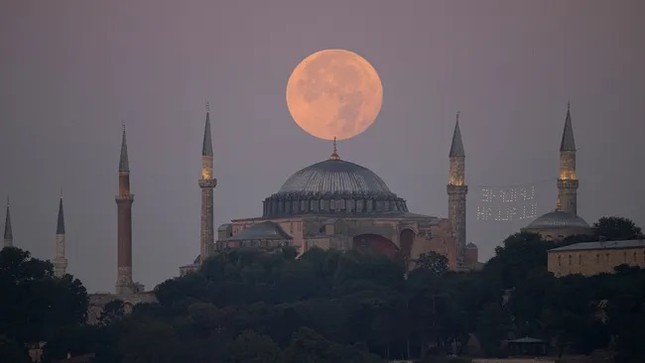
pixel 207 183
pixel 125 198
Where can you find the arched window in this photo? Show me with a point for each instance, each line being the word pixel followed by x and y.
pixel 559 260
pixel 569 260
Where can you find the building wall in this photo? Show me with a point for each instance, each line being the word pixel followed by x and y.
pixel 593 262
pixel 430 234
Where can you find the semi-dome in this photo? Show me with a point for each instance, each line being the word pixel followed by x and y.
pixel 333 186
pixel 558 219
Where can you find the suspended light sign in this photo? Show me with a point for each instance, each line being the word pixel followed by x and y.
pixel 505 204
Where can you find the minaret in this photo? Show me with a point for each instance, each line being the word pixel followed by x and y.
pixel 568 182
pixel 207 183
pixel 124 199
pixel 60 262
pixel 8 235
pixel 457 191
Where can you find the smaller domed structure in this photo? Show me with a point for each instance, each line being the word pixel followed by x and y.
pixel 558 224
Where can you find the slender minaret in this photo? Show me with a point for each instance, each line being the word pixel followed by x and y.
pixel 8 235
pixel 60 262
pixel 568 182
pixel 207 183
pixel 124 199
pixel 457 191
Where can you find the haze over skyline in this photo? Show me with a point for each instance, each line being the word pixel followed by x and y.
pixel 72 71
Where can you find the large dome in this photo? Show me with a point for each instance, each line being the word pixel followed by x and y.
pixel 334 176
pixel 333 186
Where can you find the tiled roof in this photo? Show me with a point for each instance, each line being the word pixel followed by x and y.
pixel 602 245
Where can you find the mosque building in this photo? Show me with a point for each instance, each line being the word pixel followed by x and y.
pixel 564 220
pixel 337 204
pixel 331 204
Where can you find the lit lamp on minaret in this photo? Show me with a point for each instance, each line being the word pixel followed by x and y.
pixel 124 199
pixel 60 262
pixel 207 183
pixel 568 182
pixel 457 191
pixel 8 235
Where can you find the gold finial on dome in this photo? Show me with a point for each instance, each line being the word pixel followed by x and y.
pixel 334 154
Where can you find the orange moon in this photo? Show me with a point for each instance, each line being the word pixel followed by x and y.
pixel 334 93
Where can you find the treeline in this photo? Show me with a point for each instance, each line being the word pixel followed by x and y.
pixel 331 306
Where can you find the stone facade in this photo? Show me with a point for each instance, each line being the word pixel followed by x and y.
pixel 568 196
pixel 457 217
pixel 592 258
pixel 404 236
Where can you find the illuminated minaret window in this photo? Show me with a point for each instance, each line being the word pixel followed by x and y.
pixel 60 262
pixel 457 191
pixel 8 235
pixel 124 199
pixel 207 183
pixel 568 181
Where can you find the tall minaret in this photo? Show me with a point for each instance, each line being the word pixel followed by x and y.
pixel 568 182
pixel 8 235
pixel 60 262
pixel 124 199
pixel 457 190
pixel 207 183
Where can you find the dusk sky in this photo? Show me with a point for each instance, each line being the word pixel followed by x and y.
pixel 72 71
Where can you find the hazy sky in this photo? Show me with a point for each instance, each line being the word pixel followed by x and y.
pixel 70 71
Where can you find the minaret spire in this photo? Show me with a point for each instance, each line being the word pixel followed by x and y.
pixel 207 183
pixel 207 145
pixel 123 160
pixel 457 146
pixel 457 191
pixel 60 262
pixel 568 181
pixel 334 153
pixel 568 142
pixel 8 234
pixel 124 200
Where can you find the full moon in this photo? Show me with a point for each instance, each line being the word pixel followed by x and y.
pixel 334 93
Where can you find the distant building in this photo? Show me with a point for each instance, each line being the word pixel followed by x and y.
pixel 337 204
pixel 592 258
pixel 564 221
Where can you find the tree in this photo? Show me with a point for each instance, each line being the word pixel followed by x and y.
pixel 249 347
pixel 11 351
pixel 616 229
pixel 112 312
pixel 148 341
pixel 433 261
pixel 34 304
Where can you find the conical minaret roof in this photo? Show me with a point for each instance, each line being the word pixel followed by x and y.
pixel 207 146
pixel 60 226
pixel 7 225
pixel 568 142
pixel 457 147
pixel 123 161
